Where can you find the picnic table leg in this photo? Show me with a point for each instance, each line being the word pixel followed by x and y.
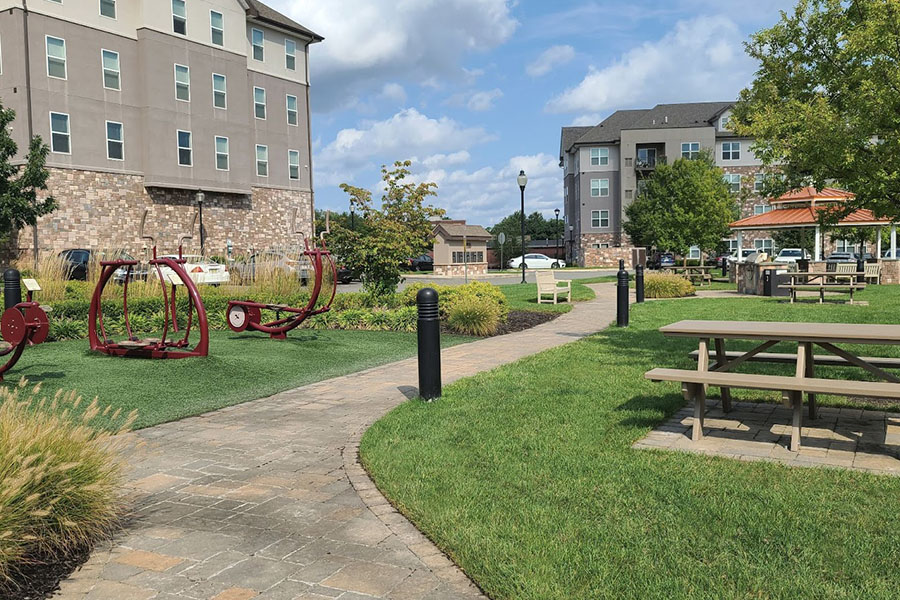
pixel 810 371
pixel 694 391
pixel 721 360
pixel 796 399
pixel 851 293
pixel 821 295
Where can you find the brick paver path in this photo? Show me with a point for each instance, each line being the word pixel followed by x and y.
pixel 267 499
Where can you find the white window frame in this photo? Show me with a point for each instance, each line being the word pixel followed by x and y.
pixel 759 182
pixel 117 71
pixel 256 103
pixel 213 29
pixel 690 153
pixel 183 19
pixel 223 92
pixel 766 245
pixel 108 140
pixel 733 152
pixel 599 188
pixel 177 83
pixel 115 10
pixel 217 153
pixel 296 110
pixel 732 244
pixel 68 133
pixel 694 253
pixel 258 161
pixel 179 147
pixel 761 209
pixel 602 157
pixel 602 216
pixel 290 55
pixel 64 59
pixel 261 46
pixel 291 165
pixel 729 179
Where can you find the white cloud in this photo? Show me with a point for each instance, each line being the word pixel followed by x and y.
pixel 481 101
pixel 393 91
pixel 700 59
pixel 370 41
pixel 456 158
pixel 551 57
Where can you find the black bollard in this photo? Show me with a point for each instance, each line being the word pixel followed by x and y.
pixel 860 268
pixel 639 283
pixel 622 296
pixel 12 288
pixel 429 333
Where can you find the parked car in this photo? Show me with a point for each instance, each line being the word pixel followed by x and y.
pixel 202 271
pixel 721 259
pixel 791 255
pixel 77 261
pixel 537 261
pixel 887 254
pixel 841 257
pixel 745 254
pixel 661 260
pixel 271 259
pixel 421 263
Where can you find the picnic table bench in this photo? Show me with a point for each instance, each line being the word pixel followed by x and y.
pixel 822 288
pixel 699 274
pixel 804 381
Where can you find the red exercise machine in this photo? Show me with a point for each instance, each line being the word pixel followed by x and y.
pixel 23 323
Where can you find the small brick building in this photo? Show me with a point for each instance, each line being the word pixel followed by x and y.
pixel 460 249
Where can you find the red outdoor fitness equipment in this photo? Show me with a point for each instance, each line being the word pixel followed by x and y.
pixel 151 347
pixel 23 323
pixel 245 314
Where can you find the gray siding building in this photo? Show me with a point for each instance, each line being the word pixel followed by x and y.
pixel 145 103
pixel 604 167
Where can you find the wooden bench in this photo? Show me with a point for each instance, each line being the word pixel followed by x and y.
pixel 827 360
pixel 547 285
pixel 693 386
pixel 821 287
pixel 873 272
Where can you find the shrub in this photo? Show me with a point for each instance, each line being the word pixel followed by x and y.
pixel 471 315
pixel 59 474
pixel 449 295
pixel 667 286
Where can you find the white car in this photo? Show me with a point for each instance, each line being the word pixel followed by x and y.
pixel 202 271
pixel 537 261
pixel 791 255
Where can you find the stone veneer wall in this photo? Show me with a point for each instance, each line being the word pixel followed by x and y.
pixel 460 270
pixel 603 257
pixel 103 210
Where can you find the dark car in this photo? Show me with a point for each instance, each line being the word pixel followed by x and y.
pixel 661 260
pixel 76 260
pixel 421 263
pixel 841 257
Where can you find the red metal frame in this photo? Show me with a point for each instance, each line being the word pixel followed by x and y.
pixel 24 324
pixel 151 348
pixel 246 314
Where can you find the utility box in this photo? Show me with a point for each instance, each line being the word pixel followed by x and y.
pixel 638 257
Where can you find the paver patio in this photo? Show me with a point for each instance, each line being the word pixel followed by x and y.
pixel 268 500
pixel 840 437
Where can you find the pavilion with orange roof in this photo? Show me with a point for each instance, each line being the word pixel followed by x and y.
pixel 800 209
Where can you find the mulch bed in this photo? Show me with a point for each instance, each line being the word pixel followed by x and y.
pixel 520 320
pixel 40 578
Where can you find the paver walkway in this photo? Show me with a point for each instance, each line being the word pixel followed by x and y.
pixel 267 499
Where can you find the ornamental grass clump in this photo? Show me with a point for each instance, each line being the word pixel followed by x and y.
pixel 471 315
pixel 60 475
pixel 664 285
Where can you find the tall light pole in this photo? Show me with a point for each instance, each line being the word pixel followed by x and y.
pixel 556 232
pixel 522 180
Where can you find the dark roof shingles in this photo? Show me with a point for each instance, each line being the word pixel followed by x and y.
pixel 267 13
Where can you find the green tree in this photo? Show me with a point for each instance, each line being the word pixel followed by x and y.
pixel 795 238
pixel 824 107
pixel 683 204
pixel 537 227
pixel 20 184
pixel 386 237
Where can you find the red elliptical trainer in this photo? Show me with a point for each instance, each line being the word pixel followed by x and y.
pixel 23 323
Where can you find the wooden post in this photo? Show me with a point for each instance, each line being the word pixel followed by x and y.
pixel 694 391
pixel 721 359
pixel 810 371
pixel 796 399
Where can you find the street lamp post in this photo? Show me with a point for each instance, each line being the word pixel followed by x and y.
pixel 556 232
pixel 352 220
pixel 522 180
pixel 200 197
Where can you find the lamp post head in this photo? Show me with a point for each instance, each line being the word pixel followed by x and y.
pixel 200 197
pixel 556 210
pixel 522 179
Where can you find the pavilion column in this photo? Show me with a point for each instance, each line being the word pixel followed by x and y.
pixel 893 241
pixel 740 248
pixel 817 255
pixel 878 244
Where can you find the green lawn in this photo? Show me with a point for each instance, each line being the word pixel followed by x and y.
pixel 240 367
pixel 526 477
pixel 523 296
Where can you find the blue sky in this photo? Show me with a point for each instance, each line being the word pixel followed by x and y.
pixel 474 90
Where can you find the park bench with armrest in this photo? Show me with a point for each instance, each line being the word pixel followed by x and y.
pixel 873 273
pixel 548 285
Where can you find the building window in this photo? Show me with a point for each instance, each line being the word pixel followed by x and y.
pixel 108 8
pixel 844 246
pixel 182 83
pixel 179 17
pixel 221 153
pixel 734 182
pixel 115 141
pixel 690 150
pixel 294 164
pixel 60 141
pixel 468 257
pixel 220 91
pixel 257 40
pixel 290 55
pixel 694 253
pixel 732 244
pixel 111 73
pixel 259 103
pixel 629 162
pixel 56 57
pixel 599 157
pixel 759 183
pixel 185 153
pixel 766 245
pixel 731 150
pixel 599 218
pixel 599 188
pixel 292 112
pixel 629 194
pixel 759 209
pixel 641 186
pixel 216 28
pixel 262 160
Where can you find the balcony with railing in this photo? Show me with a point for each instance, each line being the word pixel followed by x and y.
pixel 648 157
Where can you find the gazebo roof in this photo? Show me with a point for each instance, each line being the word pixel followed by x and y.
pixel 806 216
pixel 811 195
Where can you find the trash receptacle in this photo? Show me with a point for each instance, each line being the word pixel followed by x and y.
pixel 772 280
pixel 768 278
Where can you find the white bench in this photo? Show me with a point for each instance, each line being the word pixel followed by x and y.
pixel 547 285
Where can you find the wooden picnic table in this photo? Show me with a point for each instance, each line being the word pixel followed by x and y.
pixel 697 272
pixel 828 336
pixel 822 282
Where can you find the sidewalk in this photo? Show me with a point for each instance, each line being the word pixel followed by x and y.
pixel 268 500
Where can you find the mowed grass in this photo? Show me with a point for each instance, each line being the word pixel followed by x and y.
pixel 240 367
pixel 526 476
pixel 523 296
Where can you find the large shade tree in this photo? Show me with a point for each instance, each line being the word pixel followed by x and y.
pixel 683 204
pixel 824 107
